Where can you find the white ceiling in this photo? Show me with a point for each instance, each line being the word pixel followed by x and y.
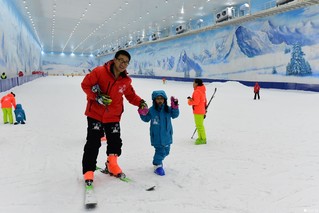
pixel 85 26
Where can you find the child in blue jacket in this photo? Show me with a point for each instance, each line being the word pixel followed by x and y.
pixel 161 130
pixel 20 115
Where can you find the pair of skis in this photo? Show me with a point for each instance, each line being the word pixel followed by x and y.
pixel 90 200
pixel 210 100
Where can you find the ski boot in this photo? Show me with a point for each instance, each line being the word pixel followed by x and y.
pixel 112 167
pixel 158 169
pixel 200 141
pixel 88 178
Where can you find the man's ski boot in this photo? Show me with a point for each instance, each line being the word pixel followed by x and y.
pixel 158 169
pixel 112 167
pixel 88 176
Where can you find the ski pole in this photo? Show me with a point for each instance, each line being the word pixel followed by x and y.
pixel 194 133
pixel 210 100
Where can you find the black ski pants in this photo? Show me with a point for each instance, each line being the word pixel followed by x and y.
pixel 256 95
pixel 95 131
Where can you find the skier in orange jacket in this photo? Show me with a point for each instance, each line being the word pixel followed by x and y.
pixel 198 102
pixel 7 102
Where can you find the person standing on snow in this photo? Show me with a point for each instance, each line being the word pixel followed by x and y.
pixel 256 90
pixel 7 102
pixel 3 76
pixel 198 102
pixel 105 87
pixel 161 129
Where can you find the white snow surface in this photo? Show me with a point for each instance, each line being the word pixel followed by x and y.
pixel 261 156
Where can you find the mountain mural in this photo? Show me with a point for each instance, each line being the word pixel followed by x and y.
pixel 265 47
pixel 252 43
pixel 186 64
pixel 255 42
pixel 284 34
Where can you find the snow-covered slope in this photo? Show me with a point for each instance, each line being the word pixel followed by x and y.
pixel 261 156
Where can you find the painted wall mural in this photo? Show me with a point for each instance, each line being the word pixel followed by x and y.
pixel 19 50
pixel 280 48
pixel 67 64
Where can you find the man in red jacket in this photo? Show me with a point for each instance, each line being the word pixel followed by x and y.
pixel 105 87
pixel 256 91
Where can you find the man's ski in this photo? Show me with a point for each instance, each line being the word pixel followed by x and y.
pixel 120 176
pixel 90 200
pixel 210 100
pixel 123 178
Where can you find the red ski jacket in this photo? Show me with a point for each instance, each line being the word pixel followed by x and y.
pixel 115 88
pixel 256 88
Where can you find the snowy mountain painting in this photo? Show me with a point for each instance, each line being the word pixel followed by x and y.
pixel 68 64
pixel 249 51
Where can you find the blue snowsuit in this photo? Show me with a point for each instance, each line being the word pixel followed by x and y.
pixel 161 129
pixel 19 114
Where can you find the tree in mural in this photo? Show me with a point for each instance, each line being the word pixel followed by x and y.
pixel 298 65
pixel 171 63
pixel 140 71
pixel 274 71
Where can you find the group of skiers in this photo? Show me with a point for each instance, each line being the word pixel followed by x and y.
pixel 7 102
pixel 105 87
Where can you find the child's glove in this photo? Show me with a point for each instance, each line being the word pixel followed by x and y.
pixel 143 108
pixel 143 111
pixel 104 99
pixel 174 102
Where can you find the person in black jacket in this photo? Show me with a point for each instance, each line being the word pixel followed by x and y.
pixel 3 76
